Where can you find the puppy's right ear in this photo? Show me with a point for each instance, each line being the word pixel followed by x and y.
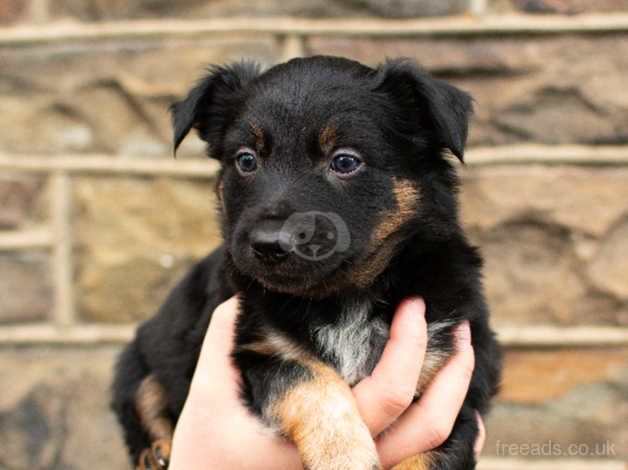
pixel 439 106
pixel 211 104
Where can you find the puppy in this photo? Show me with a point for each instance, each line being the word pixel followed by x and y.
pixel 336 202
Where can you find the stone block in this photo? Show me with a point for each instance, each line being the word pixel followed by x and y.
pixel 134 239
pixel 24 201
pixel 25 286
pixel 564 7
pixel 90 10
pixel 551 239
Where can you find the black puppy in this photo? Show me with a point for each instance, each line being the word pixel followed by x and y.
pixel 336 203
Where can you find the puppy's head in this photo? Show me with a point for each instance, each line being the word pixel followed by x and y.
pixel 328 166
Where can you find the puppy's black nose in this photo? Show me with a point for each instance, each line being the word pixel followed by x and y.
pixel 265 243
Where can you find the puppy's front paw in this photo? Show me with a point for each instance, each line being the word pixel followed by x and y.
pixel 157 457
pixel 347 448
pixel 321 418
pixel 333 458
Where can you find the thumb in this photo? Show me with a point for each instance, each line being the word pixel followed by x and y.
pixel 215 357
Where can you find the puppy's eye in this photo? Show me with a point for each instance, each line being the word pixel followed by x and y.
pixel 246 161
pixel 345 162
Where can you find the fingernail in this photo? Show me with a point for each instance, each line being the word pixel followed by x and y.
pixel 463 335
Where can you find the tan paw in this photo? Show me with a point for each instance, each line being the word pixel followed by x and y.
pixel 321 418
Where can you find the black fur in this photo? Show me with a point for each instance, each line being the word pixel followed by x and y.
pixel 399 119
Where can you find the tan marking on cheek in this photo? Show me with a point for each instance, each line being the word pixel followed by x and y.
pixel 382 245
pixel 417 462
pixel 407 198
pixel 152 408
pixel 320 416
pixel 364 274
pixel 258 132
pixel 327 136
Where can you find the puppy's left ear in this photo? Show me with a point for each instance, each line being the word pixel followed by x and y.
pixel 440 106
pixel 210 105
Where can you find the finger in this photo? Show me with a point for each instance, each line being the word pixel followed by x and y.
pixel 479 441
pixel 219 339
pixel 221 326
pixel 388 391
pixel 428 423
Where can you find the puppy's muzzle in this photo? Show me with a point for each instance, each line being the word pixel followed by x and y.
pixel 266 241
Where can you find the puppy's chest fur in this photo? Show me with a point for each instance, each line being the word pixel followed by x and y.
pixel 354 342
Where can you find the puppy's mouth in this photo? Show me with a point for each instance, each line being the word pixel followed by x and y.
pixel 292 275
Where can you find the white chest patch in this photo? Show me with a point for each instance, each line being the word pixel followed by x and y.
pixel 350 342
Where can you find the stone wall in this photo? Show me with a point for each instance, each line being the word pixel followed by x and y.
pixel 97 222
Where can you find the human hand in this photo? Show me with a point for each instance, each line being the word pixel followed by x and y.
pixel 215 430
pixel 385 398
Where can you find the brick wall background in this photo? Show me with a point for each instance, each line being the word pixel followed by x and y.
pixel 97 221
